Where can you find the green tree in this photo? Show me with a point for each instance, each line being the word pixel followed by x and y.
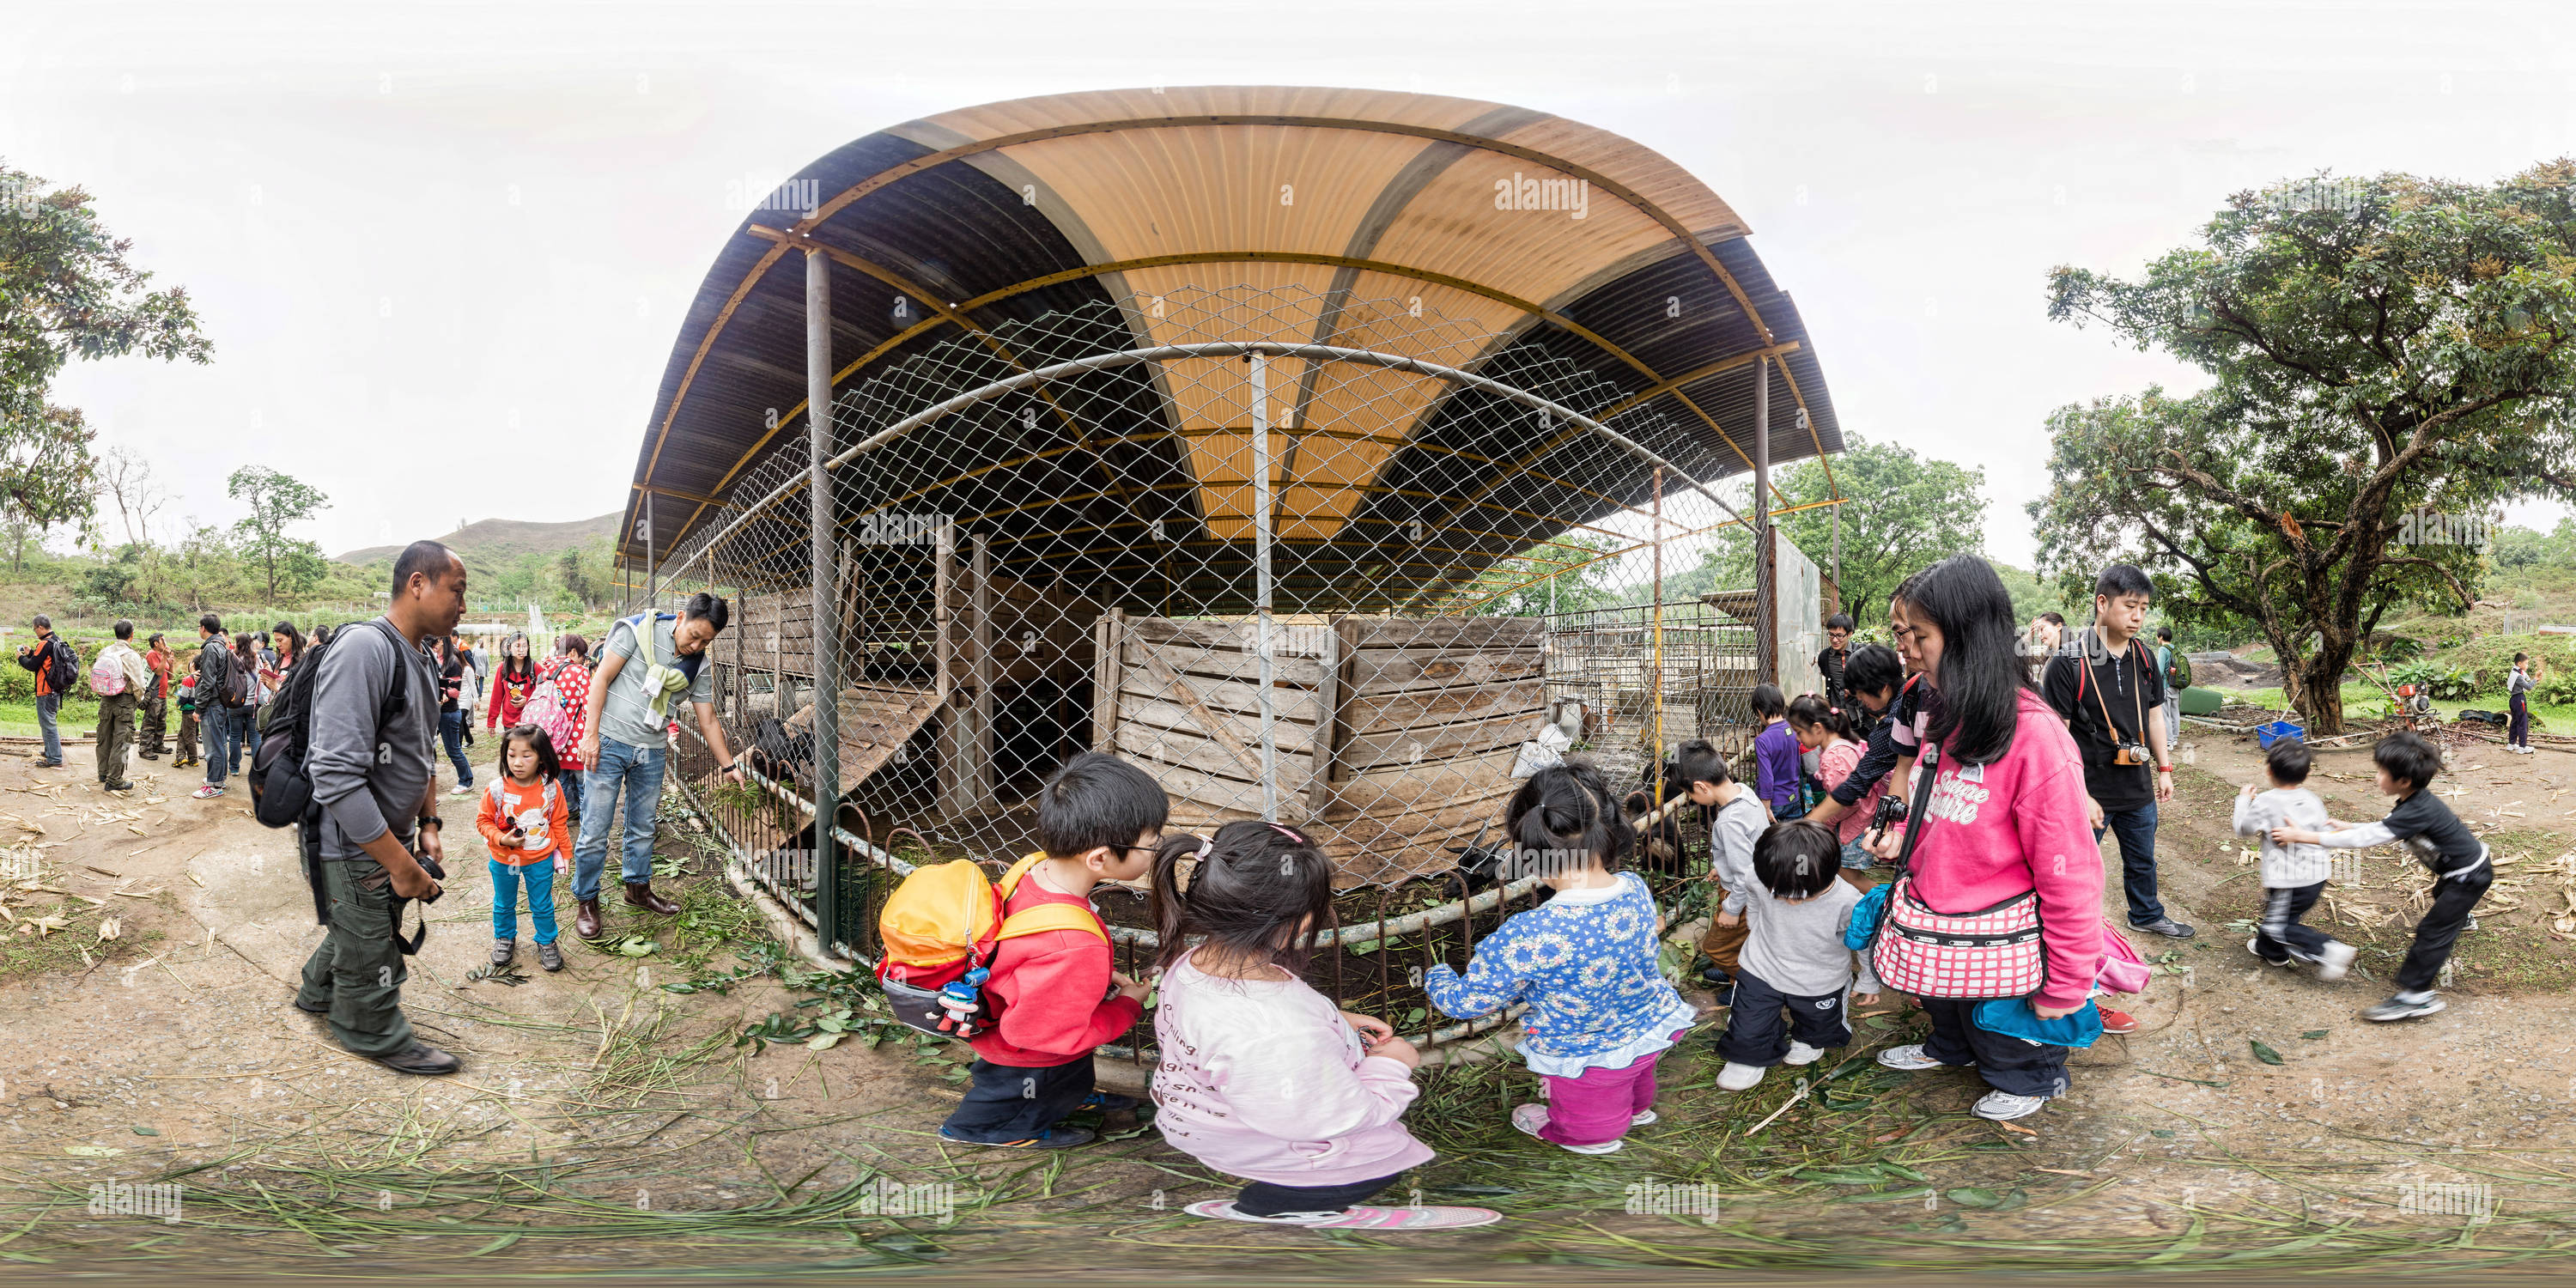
pixel 1901 513
pixel 276 502
pixel 66 291
pixel 2392 361
pixel 1562 576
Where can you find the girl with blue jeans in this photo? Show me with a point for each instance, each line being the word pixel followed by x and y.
pixel 522 820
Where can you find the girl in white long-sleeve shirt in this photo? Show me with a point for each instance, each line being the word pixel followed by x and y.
pixel 1261 1076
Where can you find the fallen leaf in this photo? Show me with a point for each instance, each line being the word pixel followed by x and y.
pixel 109 928
pixel 92 1151
pixel 2263 1053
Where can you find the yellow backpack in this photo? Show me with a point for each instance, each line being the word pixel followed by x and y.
pixel 941 928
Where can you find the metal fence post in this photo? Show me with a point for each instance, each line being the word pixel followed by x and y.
pixel 1766 579
pixel 827 677
pixel 1261 579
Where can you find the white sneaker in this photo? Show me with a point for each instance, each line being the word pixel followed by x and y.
pixel 2003 1106
pixel 461 789
pixel 1643 1118
pixel 1739 1077
pixel 1801 1053
pixel 1530 1119
pixel 2337 961
pixel 1911 1059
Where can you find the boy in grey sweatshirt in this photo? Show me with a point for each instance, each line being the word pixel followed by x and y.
pixel 1794 965
pixel 2294 874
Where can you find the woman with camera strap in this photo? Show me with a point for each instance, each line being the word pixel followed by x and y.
pixel 2000 886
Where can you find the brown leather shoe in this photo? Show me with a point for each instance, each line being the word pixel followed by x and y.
pixel 640 894
pixel 585 919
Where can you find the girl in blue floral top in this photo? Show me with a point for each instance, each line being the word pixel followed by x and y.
pixel 1600 1012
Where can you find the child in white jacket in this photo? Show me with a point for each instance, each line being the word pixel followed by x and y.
pixel 1261 1076
pixel 2293 874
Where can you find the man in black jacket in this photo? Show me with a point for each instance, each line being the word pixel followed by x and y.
pixel 1830 662
pixel 214 679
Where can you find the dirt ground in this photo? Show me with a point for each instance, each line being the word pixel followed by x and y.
pixel 605 1123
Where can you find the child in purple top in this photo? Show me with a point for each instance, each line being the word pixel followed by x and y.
pixel 1776 761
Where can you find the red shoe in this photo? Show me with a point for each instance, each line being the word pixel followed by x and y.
pixel 2116 1021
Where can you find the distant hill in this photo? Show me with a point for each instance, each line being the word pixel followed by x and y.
pixel 488 545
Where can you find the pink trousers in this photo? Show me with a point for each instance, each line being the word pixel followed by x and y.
pixel 1597 1106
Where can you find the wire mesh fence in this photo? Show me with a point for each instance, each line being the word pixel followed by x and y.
pixel 1325 561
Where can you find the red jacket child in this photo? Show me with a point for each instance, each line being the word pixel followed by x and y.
pixel 1049 988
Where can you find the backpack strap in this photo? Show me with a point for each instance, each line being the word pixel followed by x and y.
pixel 1044 917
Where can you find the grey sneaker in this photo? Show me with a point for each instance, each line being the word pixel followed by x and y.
pixel 548 957
pixel 2003 1106
pixel 503 950
pixel 1911 1058
pixel 2398 1008
pixel 2168 927
pixel 425 1061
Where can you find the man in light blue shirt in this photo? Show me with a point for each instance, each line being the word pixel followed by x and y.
pixel 626 744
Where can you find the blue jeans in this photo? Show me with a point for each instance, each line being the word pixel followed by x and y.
pixel 571 784
pixel 2136 829
pixel 1857 855
pixel 215 729
pixel 451 730
pixel 540 877
pixel 46 705
pixel 244 729
pixel 636 771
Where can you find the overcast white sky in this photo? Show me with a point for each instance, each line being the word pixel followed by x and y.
pixel 452 244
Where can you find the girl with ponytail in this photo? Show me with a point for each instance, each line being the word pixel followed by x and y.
pixel 1827 734
pixel 1600 1011
pixel 1262 1077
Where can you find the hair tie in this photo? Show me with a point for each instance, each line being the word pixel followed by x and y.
pixel 1205 844
pixel 1289 834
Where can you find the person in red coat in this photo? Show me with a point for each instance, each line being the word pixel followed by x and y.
pixel 511 685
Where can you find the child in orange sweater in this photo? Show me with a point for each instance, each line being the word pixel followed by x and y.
pixel 523 821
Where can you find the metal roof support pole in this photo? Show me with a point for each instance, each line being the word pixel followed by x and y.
pixel 1261 578
pixel 652 570
pixel 1766 579
pixel 827 652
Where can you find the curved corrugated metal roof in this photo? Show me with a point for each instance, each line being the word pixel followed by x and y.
pixel 1575 245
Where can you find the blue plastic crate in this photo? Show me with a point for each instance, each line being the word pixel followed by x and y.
pixel 2267 734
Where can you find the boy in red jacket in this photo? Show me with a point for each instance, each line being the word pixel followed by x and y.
pixel 1098 819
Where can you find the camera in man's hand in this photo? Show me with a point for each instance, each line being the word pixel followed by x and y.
pixel 437 876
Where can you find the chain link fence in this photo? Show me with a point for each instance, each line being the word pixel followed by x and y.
pixel 1349 586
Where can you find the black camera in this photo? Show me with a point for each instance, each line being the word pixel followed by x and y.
pixel 436 873
pixel 1891 809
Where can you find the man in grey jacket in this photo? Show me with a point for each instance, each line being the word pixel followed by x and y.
pixel 374 713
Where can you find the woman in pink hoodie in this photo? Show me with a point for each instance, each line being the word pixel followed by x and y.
pixel 2006 817
pixel 1261 1076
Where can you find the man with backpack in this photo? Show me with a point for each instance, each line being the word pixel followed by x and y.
pixel 57 668
pixel 365 728
pixel 217 693
pixel 118 677
pixel 2176 668
pixel 650 660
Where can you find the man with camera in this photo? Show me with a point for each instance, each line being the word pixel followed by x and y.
pixel 374 714
pixel 2104 683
